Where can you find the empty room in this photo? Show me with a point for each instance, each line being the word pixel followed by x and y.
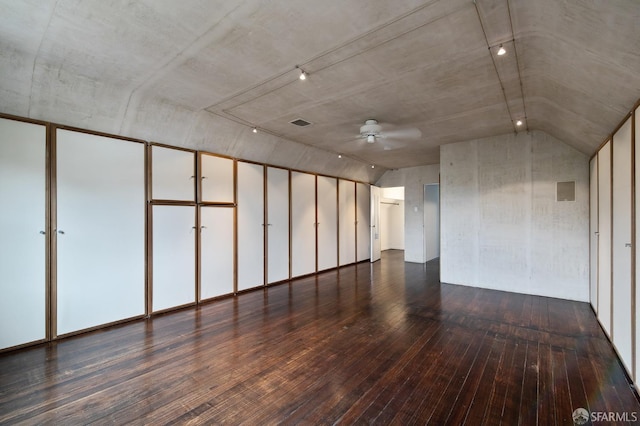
pixel 336 212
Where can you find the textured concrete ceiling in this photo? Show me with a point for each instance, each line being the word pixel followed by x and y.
pixel 202 73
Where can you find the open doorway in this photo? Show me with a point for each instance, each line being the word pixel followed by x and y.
pixel 432 221
pixel 392 218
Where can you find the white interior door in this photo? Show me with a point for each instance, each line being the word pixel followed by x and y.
pixel 604 237
pixel 250 225
pixel 303 224
pixel 593 232
pixel 622 318
pixel 431 221
pixel 217 177
pixel 22 227
pixel 174 258
pixel 347 221
pixel 363 222
pixel 375 223
pixel 100 230
pixel 327 223
pixel 172 174
pixel 216 251
pixel 277 224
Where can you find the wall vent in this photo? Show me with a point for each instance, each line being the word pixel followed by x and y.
pixel 300 122
pixel 566 191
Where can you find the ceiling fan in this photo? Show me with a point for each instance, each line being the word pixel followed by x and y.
pixel 372 131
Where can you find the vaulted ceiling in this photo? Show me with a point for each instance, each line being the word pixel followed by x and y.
pixel 203 73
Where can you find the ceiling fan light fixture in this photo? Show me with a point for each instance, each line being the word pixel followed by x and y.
pixel 371 138
pixel 501 51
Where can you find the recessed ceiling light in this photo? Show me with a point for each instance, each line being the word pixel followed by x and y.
pixel 519 123
pixel 501 51
pixel 339 155
pixel 373 167
pixel 255 130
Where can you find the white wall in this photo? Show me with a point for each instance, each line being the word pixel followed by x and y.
pixel 413 179
pixel 501 226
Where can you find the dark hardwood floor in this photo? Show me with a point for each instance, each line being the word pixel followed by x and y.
pixel 381 343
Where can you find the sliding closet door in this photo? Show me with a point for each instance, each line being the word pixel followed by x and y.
pixel 604 237
pixel 216 251
pixel 593 232
pixel 100 230
pixel 622 295
pixel 173 174
pixel 347 221
pixel 327 223
pixel 250 225
pixel 174 258
pixel 363 222
pixel 637 240
pixel 217 177
pixel 23 230
pixel 277 224
pixel 303 224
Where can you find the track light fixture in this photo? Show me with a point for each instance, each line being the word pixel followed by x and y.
pixel 501 51
pixel 303 74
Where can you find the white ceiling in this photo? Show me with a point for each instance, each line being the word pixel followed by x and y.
pixel 184 72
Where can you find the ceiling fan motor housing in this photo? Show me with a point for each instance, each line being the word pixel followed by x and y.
pixel 370 130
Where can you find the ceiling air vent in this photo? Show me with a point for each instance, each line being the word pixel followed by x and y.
pixel 300 122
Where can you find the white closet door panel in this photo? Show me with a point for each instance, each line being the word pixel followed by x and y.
pixel 250 225
pixel 622 318
pixel 22 246
pixel 303 224
pixel 172 174
pixel 216 251
pixel 347 221
pixel 327 223
pixel 101 230
pixel 363 206
pixel 593 232
pixel 637 259
pixel 217 179
pixel 604 237
pixel 278 224
pixel 174 258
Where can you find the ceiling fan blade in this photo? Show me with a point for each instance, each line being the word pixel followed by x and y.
pixel 402 133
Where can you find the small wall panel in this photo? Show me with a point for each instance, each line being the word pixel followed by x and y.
pixel 22 227
pixel 216 251
pixel 604 240
pixel 621 240
pixel 100 230
pixel 174 258
pixel 593 232
pixel 250 225
pixel 347 221
pixel 172 174
pixel 303 224
pixel 217 177
pixel 327 223
pixel 363 224
pixel 277 224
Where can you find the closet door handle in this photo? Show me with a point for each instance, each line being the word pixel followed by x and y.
pixel 43 233
pixel 627 245
pixel 61 232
